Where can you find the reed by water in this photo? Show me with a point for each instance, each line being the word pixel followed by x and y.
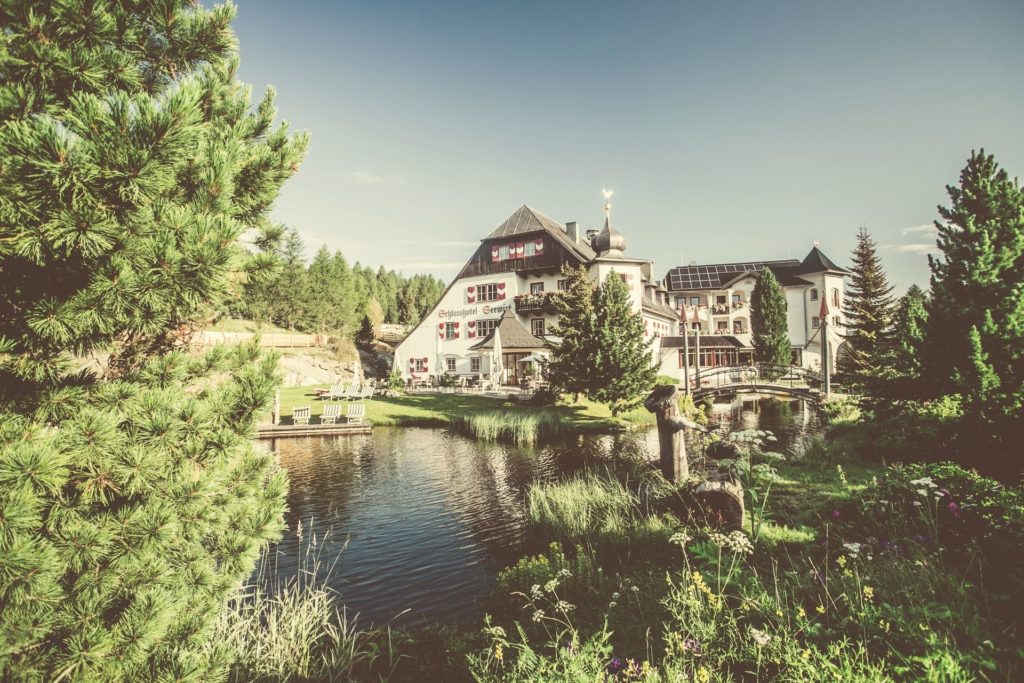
pixel 518 428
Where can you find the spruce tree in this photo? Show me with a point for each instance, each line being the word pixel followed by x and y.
pixel 622 367
pixel 769 330
pixel 571 364
pixel 975 339
pixel 868 313
pixel 366 336
pixel 133 500
pixel 910 323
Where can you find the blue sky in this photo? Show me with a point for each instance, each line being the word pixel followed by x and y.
pixel 728 130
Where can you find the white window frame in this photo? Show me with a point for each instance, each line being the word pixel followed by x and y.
pixel 533 327
pixel 449 365
pixel 474 364
pixel 487 292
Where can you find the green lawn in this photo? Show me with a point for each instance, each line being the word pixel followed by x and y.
pixel 437 410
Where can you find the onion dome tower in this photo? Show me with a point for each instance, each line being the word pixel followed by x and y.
pixel 609 243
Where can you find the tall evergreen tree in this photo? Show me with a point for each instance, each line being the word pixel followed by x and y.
pixel 868 313
pixel 975 340
pixel 131 506
pixel 571 364
pixel 622 367
pixel 908 341
pixel 770 332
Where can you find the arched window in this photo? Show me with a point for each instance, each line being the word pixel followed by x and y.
pixel 835 296
pixel 814 294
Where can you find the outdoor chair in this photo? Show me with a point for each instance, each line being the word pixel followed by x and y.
pixel 300 416
pixel 331 414
pixel 367 392
pixel 336 391
pixel 356 413
pixel 352 393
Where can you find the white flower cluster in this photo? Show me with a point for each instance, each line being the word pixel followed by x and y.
pixel 564 574
pixel 759 636
pixel 853 549
pixel 564 607
pixel 535 591
pixel 736 541
pixel 538 615
pixel 680 538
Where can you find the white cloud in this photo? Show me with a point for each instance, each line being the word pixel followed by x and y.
pixel 928 229
pixel 369 178
pixel 914 248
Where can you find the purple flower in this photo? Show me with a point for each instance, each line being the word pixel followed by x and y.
pixel 836 515
pixel 691 645
pixel 615 666
pixel 954 509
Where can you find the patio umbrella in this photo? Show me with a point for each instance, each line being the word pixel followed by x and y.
pixel 496 367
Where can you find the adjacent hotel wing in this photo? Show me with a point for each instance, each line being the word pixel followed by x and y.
pixel 494 320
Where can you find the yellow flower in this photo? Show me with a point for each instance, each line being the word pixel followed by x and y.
pixel 499 653
pixel 869 593
pixel 806 654
pixel 801 614
pixel 778 613
pixel 820 609
pixel 841 560
pixel 703 675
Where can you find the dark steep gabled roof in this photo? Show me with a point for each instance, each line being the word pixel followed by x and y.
pixel 654 306
pixel 707 341
pixel 513 335
pixel 817 262
pixel 525 221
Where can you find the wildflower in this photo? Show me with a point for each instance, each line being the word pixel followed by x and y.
pixel 842 474
pixel 778 613
pixel 499 653
pixel 954 509
pixel 806 654
pixel 538 615
pixel 550 586
pixel 680 538
pixel 635 589
pixel 869 593
pixel 820 609
pixel 841 561
pixel 703 675
pixel 721 540
pixel 884 625
pixel 535 592
pixel 564 607
pixel 740 544
pixel 691 645
pixel 615 666
pixel 801 614
pixel 836 515
pixel 615 595
pixel 853 549
pixel 923 481
pixel 917 503
pixel 760 637
pixel 612 604
pixel 564 573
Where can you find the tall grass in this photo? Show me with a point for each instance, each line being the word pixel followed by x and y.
pixel 519 428
pixel 296 630
pixel 580 507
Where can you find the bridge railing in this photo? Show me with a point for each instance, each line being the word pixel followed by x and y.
pixel 761 374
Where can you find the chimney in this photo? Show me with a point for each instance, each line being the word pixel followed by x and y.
pixel 591 234
pixel 572 229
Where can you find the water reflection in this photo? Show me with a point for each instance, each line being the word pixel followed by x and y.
pixel 428 517
pixel 793 422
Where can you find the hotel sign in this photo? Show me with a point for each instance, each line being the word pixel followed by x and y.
pixel 485 309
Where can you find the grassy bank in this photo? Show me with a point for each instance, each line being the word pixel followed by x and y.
pixel 441 410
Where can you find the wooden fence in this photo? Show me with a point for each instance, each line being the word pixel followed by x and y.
pixel 205 338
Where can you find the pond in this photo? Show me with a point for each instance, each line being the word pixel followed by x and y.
pixel 412 525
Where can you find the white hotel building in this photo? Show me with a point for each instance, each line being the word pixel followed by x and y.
pixel 508 283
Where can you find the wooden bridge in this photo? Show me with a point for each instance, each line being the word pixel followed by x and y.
pixel 761 378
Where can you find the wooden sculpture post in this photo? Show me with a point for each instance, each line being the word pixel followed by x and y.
pixel 664 403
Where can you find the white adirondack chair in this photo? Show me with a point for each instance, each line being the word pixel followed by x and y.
pixel 367 392
pixel 352 393
pixel 337 391
pixel 356 413
pixel 300 415
pixel 331 414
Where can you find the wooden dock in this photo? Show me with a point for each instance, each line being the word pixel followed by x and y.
pixel 269 431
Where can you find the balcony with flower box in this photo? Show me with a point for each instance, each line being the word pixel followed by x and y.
pixel 536 303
